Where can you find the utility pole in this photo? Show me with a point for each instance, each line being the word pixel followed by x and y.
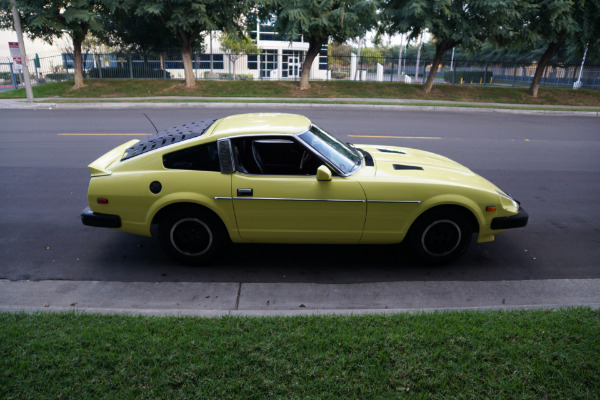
pixel 17 21
pixel 418 58
pixel 578 84
pixel 400 58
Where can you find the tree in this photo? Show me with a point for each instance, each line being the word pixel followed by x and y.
pixel 319 20
pixel 188 19
pixel 451 22
pixel 127 32
pixel 237 46
pixel 50 19
pixel 557 23
pixel 371 57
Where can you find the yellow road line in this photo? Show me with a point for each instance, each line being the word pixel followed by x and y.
pixel 104 134
pixel 397 137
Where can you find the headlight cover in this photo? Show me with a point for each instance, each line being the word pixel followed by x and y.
pixel 508 203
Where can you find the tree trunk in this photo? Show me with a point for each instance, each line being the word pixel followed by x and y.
pixel 314 47
pixel 186 56
pixel 440 49
pixel 77 58
pixel 541 67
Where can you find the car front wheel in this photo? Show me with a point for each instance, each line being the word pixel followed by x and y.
pixel 440 236
pixel 191 236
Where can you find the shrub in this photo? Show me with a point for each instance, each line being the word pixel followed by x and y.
pixel 469 76
pixel 228 76
pixel 124 72
pixel 339 74
pixel 61 76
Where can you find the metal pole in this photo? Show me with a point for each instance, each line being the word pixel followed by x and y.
pixel 578 84
pixel 418 59
pixel 12 75
pixel 17 21
pixel 211 54
pixel 400 58
pixel 452 61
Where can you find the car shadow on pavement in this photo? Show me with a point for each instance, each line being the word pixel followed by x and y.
pixel 135 258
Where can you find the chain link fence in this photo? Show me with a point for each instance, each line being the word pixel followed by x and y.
pixel 287 65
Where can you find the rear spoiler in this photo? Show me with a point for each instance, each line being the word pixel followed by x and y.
pixel 101 165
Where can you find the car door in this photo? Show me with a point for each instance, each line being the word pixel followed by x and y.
pixel 282 202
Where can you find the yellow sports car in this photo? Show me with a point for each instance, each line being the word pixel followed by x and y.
pixel 278 178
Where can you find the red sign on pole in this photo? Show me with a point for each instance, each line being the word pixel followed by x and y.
pixel 15 53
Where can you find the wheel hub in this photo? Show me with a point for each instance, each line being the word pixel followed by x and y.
pixel 441 238
pixel 191 236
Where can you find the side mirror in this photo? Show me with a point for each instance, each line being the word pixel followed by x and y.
pixel 323 173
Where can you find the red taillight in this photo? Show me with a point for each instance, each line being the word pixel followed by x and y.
pixel 102 200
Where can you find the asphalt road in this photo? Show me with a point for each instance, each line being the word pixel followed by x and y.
pixel 551 164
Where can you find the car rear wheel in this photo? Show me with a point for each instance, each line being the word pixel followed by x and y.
pixel 440 236
pixel 191 236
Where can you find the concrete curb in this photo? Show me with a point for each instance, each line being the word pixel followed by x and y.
pixel 442 107
pixel 209 299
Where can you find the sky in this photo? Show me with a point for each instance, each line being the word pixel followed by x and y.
pixel 31 47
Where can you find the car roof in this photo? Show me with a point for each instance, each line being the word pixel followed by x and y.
pixel 261 123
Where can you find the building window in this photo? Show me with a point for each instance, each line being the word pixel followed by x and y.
pixel 323 59
pixel 252 62
pixel 291 64
pixel 203 61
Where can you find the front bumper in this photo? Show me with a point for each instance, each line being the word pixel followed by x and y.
pixel 514 221
pixel 90 218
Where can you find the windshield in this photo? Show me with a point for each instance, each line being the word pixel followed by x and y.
pixel 341 156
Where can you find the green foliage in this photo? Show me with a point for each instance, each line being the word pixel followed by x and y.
pixel 370 57
pixel 227 76
pixel 128 32
pixel 239 44
pixel 336 19
pixel 194 17
pixel 56 76
pixel 339 74
pixel 50 19
pixel 469 76
pixel 124 72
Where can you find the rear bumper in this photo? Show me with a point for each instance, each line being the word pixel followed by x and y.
pixel 90 218
pixel 514 221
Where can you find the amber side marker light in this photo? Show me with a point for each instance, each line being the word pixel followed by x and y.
pixel 102 200
pixel 490 208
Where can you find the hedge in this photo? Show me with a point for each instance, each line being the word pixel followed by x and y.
pixel 125 72
pixel 469 76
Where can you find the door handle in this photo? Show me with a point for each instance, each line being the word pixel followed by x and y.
pixel 245 192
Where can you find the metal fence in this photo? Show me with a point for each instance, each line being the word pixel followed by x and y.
pixel 287 65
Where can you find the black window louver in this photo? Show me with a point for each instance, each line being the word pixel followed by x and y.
pixel 167 137
pixel 400 167
pixel 391 151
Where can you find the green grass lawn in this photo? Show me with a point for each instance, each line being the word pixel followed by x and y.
pixel 110 88
pixel 539 354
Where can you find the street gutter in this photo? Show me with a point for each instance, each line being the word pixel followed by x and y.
pixel 374 104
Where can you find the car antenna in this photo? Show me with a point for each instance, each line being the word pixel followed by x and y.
pixel 151 122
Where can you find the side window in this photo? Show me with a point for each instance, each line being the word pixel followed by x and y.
pixel 198 158
pixel 274 156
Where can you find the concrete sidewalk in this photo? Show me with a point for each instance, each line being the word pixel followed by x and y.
pixel 285 103
pixel 264 299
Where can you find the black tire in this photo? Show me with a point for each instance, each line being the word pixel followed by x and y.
pixel 440 236
pixel 191 236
